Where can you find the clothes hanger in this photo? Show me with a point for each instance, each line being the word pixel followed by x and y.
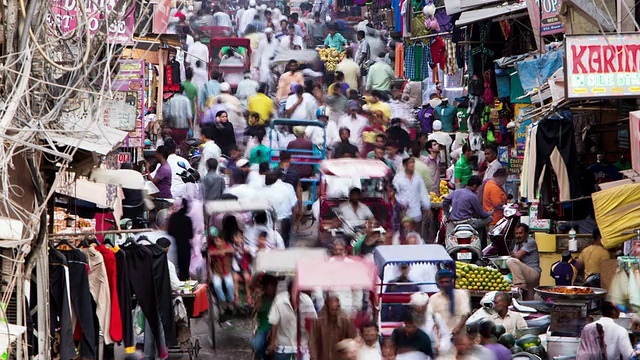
pixel 130 241
pixel 64 244
pixel 93 241
pixel 84 243
pixel 144 238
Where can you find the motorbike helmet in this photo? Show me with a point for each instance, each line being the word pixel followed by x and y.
pixel 488 299
pixel 321 112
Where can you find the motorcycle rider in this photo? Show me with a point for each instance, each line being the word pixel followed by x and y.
pixel 463 206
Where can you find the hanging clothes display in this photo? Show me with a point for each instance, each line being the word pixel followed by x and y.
pixel 81 300
pixel 555 147
pixel 451 66
pixel 581 122
pixel 99 287
pixel 399 62
pixel 124 297
pixel 60 305
pixel 115 321
pixel 416 62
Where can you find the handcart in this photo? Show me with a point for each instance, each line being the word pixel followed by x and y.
pixel 196 303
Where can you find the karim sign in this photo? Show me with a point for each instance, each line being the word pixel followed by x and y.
pixel 599 66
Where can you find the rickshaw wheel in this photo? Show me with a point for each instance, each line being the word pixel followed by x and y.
pixel 196 348
pixel 213 318
pixel 190 349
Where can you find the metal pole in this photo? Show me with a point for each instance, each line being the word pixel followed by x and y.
pixel 44 322
pixel 104 232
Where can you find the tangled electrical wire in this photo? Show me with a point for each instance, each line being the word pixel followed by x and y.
pixel 41 69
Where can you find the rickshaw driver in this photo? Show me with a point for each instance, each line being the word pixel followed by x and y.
pixel 353 211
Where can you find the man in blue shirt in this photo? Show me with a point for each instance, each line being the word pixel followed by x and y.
pixel 464 205
pixel 564 271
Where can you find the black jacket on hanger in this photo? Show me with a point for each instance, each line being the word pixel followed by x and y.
pixel 60 308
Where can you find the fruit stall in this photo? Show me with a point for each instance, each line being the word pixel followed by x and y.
pixel 331 58
pixel 479 280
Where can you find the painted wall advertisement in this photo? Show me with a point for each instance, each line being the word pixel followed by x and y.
pixel 544 14
pixel 599 66
pixel 128 88
pixel 66 15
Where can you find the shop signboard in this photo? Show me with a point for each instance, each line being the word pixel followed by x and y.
pixel 544 17
pixel 634 136
pixel 521 132
pixel 66 16
pixel 602 66
pixel 161 16
pixel 129 85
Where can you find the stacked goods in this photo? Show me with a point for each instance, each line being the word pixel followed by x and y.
pixel 444 192
pixel 474 277
pixel 528 343
pixel 330 57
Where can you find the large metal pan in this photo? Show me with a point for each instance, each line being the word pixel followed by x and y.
pixel 544 292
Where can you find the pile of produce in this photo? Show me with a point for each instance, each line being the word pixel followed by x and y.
pixel 528 343
pixel 330 57
pixel 474 277
pixel 444 192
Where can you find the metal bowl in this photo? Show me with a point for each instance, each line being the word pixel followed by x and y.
pixel 500 262
pixel 528 331
pixel 544 293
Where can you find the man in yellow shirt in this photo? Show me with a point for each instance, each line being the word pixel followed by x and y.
pixel 261 104
pixel 593 254
pixel 374 101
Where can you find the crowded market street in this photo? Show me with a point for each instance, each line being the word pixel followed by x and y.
pixel 319 180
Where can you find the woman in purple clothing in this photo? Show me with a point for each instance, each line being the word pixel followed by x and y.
pixel 489 341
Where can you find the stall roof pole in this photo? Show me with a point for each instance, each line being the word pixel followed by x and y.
pixel 160 91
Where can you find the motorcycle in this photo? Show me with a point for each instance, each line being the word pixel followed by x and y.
pixel 499 243
pixel 464 244
pixel 189 175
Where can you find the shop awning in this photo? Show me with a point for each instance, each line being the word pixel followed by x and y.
pixel 456 6
pixel 470 17
pixel 99 139
pixel 617 210
pixel 83 189
pixel 128 179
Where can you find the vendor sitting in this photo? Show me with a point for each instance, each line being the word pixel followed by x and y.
pixel 230 54
pixel 501 315
pixel 353 211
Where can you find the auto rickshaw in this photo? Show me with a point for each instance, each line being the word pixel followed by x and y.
pixel 228 216
pixel 423 263
pixel 339 176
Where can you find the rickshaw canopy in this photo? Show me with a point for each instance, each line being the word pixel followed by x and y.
pixel 301 56
pixel 384 255
pixel 240 205
pixel 355 168
pixel 219 42
pixel 335 275
pixel 290 122
pixel 284 262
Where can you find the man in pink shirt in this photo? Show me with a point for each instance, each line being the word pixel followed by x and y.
pixel 284 83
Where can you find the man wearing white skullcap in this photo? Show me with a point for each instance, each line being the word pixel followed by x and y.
pixel 439 136
pixel 430 323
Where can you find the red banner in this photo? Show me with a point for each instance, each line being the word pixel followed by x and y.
pixel 161 16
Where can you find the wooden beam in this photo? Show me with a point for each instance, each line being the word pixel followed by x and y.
pixel 592 13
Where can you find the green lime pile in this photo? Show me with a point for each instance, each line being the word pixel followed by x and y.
pixel 474 277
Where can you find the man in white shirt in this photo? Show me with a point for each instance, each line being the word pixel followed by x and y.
pixel 246 88
pixel 300 105
pixel 412 193
pixel 165 243
pixel 210 150
pixel 370 349
pixel 220 18
pixel 354 122
pixel 493 164
pixel 284 319
pixel 291 41
pixel 267 48
pixel 615 336
pixel 282 197
pixel 317 135
pixel 274 240
pixel 198 51
pixel 353 211
pixel 247 17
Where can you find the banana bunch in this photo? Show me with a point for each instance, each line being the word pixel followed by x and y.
pixel 444 189
pixel 435 198
pixel 331 57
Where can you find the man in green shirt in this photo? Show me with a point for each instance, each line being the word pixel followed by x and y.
pixel 462 171
pixel 335 39
pixel 190 90
pixel 380 75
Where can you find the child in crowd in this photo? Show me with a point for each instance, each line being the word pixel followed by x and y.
pixel 242 257
pixel 220 264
